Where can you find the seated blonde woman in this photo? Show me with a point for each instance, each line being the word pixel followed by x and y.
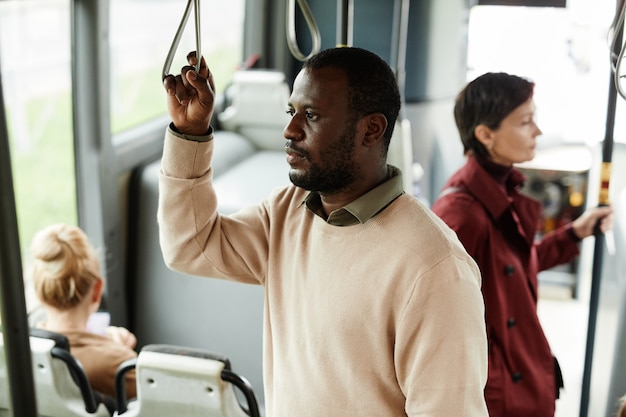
pixel 68 282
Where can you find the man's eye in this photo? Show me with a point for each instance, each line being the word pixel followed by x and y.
pixel 290 112
pixel 311 116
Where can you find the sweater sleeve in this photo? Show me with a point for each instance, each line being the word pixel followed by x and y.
pixel 441 352
pixel 194 237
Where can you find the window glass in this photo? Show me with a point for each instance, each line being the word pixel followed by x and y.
pixel 36 79
pixel 564 50
pixel 141 35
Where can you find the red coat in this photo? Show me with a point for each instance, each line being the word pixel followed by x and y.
pixel 497 227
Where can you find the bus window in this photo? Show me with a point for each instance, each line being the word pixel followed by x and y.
pixel 36 77
pixel 564 50
pixel 141 34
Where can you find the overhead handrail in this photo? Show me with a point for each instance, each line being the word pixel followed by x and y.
pixel 292 41
pixel 179 33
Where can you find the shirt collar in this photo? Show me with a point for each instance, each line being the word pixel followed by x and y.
pixel 363 208
pixel 495 199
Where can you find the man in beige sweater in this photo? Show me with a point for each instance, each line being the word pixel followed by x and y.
pixel 372 306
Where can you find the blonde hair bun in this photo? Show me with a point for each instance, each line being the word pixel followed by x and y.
pixel 65 265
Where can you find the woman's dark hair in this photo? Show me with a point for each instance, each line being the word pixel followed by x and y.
pixel 488 100
pixel 371 82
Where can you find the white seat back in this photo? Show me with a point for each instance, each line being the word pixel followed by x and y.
pixel 257 107
pixel 184 382
pixel 58 395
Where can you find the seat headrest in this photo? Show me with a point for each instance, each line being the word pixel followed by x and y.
pixel 187 351
pixel 60 340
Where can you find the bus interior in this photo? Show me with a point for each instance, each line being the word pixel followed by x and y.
pixel 82 119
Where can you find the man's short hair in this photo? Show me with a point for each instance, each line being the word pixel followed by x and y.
pixel 372 84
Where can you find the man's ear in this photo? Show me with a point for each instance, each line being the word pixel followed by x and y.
pixel 484 135
pixel 375 126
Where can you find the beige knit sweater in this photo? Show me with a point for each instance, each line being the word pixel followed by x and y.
pixel 382 319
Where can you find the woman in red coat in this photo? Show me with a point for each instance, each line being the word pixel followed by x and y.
pixel 497 224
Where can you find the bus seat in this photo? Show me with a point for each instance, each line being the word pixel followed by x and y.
pixel 61 385
pixel 181 381
pixel 255 106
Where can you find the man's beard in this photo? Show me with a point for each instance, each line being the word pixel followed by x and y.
pixel 338 172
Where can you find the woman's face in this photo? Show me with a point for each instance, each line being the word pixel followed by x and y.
pixel 515 140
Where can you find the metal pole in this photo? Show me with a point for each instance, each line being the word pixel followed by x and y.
pixel 345 22
pixel 15 330
pixel 598 252
pixel 399 45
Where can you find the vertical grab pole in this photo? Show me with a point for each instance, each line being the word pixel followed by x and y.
pixel 15 330
pixel 603 200
pixel 399 46
pixel 345 22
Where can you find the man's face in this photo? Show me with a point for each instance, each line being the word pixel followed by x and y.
pixel 321 134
